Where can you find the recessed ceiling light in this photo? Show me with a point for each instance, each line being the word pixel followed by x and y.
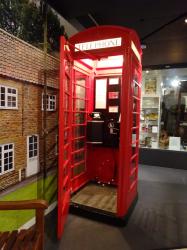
pixel 185 20
pixel 175 83
pixel 143 46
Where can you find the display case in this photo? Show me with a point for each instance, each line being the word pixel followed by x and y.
pixel 150 112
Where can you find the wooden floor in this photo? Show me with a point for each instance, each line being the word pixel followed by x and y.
pixel 97 196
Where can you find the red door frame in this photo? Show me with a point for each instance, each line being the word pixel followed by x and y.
pixel 65 124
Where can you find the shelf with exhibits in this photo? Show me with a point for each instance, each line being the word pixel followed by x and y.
pixel 150 101
pixel 149 121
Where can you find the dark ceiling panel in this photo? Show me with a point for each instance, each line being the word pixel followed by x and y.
pixel 166 46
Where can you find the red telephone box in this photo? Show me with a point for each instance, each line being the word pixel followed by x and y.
pixel 99 116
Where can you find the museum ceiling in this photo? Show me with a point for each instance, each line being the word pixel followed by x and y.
pixel 160 24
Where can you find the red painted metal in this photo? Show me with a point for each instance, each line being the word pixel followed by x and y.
pixel 64 168
pixel 102 163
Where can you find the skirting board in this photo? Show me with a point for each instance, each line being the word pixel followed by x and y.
pixel 163 158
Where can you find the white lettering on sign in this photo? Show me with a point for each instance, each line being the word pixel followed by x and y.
pixel 100 44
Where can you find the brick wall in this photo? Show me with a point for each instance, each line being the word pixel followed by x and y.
pixel 22 61
pixel 21 67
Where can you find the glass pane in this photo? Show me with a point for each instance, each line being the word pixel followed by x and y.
pixel 79 105
pixel 2 103
pixel 133 163
pixel 67 86
pixel 10 166
pixel 30 154
pixel 66 101
pixel 30 139
pixel 66 154
pixel 35 139
pixel 79 169
pixel 30 147
pixel 66 115
pixel 100 93
pixel 81 82
pixel 66 133
pixel 78 157
pixel 2 89
pixel 80 143
pixel 67 66
pixel 79 118
pixel 79 131
pixel 134 120
pixel 6 167
pixel 134 107
pixel 80 91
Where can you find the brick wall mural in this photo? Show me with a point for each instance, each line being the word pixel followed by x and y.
pixel 21 110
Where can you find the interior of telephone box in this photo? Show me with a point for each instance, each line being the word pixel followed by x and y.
pixel 96 121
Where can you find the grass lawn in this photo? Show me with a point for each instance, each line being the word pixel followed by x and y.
pixel 46 189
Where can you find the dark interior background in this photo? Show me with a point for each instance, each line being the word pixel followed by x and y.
pixel 160 24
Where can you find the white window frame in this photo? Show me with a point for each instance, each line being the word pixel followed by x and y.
pixel 33 149
pixel 49 99
pixel 7 95
pixel 3 159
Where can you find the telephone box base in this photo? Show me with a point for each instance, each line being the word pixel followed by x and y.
pixel 101 215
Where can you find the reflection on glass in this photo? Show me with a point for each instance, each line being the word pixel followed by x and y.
pixel 164 107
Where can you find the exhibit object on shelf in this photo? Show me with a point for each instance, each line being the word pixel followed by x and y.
pixel 150 86
pixel 174 143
